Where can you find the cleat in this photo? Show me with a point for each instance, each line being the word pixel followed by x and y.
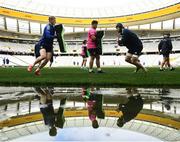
pixel 137 69
pixel 172 69
pixel 37 72
pixel 91 71
pixel 29 69
pixel 100 71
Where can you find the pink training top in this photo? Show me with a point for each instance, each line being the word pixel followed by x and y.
pixel 91 111
pixel 90 42
pixel 82 50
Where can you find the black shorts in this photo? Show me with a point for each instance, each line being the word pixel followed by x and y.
pixel 93 51
pixel 136 51
pixel 47 48
pixel 84 56
pixel 166 55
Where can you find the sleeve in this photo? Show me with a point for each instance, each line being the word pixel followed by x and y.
pixel 160 45
pixel 170 45
pixel 47 32
pixel 123 39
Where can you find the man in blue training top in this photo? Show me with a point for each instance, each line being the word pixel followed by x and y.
pixel 46 46
pixel 133 44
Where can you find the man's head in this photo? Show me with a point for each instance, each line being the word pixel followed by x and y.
pixel 95 124
pixel 52 20
pixel 94 24
pixel 120 122
pixel 53 131
pixel 119 27
pixel 166 35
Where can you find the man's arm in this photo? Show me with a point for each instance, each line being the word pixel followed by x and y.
pixel 124 38
pixel 160 45
pixel 93 35
pixel 48 33
pixel 170 45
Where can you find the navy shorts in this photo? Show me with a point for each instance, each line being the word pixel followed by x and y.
pixel 166 55
pixel 84 56
pixel 48 48
pixel 94 51
pixel 136 51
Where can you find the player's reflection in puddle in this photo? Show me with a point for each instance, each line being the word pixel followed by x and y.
pixel 94 105
pixel 52 119
pixel 131 105
pixel 131 108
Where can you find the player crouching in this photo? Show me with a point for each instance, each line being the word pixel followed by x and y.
pixel 46 46
pixel 133 44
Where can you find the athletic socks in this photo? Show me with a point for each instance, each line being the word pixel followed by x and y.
pixel 170 68
pixel 90 70
pixel 161 69
pixel 98 69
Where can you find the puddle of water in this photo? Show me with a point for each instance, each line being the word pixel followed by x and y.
pixel 151 113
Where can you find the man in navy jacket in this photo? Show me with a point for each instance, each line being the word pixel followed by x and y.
pixel 165 48
pixel 132 43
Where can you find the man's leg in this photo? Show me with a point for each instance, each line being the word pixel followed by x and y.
pixel 41 57
pixel 98 64
pixel 38 60
pixel 82 63
pixel 48 57
pixel 163 63
pixel 135 61
pixel 85 61
pixel 128 58
pixel 91 64
pixel 98 61
pixel 169 65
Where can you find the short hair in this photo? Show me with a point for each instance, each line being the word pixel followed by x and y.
pixel 52 17
pixel 168 34
pixel 84 42
pixel 120 122
pixel 119 25
pixel 95 124
pixel 94 22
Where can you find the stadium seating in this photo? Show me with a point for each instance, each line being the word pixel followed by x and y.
pixel 72 57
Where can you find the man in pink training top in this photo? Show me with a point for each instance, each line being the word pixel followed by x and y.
pixel 89 98
pixel 92 48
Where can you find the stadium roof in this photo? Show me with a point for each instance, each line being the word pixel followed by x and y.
pixel 87 9
pixel 79 13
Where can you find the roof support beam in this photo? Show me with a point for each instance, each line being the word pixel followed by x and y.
pixel 5 23
pixel 17 25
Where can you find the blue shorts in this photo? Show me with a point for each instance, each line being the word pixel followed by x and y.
pixel 48 48
pixel 136 51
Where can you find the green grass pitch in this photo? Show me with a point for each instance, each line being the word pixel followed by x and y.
pixel 119 77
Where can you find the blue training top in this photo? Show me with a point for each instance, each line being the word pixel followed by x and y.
pixel 48 36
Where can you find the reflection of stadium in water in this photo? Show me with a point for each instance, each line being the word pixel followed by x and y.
pixel 150 111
